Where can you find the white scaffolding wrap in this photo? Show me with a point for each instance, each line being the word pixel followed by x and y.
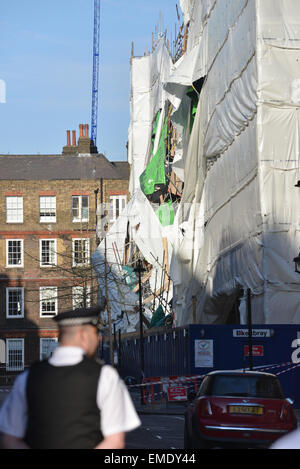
pixel 237 225
pixel 250 120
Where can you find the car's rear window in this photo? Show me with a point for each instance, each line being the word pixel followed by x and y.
pixel 246 386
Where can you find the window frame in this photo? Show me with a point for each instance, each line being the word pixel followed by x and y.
pixel 88 296
pixel 74 264
pixel 7 210
pixel 15 368
pixel 43 339
pixel 112 200
pixel 18 316
pixel 15 266
pixel 80 219
pixel 48 314
pixel 47 266
pixel 51 219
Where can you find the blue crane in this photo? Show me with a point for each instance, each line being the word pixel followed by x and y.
pixel 96 60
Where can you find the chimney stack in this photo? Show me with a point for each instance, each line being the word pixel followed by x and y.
pixel 82 145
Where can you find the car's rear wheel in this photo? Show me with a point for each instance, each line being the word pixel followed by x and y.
pixel 200 443
pixel 194 441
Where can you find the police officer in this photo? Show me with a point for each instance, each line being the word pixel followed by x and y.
pixel 70 401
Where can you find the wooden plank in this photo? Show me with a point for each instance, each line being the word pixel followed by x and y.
pixel 151 297
pixel 144 279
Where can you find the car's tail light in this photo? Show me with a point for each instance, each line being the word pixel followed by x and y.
pixel 204 408
pixel 285 413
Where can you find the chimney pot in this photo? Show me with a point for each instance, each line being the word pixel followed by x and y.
pixel 74 138
pixel 86 130
pixel 81 130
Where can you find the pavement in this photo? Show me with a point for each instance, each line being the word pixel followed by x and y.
pixel 168 408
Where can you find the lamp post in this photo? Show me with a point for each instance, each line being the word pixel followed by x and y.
pixel 249 318
pixel 139 269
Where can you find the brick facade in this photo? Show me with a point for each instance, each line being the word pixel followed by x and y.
pixel 31 276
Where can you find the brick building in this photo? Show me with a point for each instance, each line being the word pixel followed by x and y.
pixel 49 205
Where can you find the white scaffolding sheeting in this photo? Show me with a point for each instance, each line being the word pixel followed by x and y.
pixel 237 226
pixel 250 123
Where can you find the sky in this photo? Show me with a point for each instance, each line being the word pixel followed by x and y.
pixel 46 57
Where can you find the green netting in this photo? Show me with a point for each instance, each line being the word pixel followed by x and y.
pixel 166 214
pixel 158 317
pixel 155 171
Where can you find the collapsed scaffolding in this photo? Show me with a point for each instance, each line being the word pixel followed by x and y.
pixel 141 230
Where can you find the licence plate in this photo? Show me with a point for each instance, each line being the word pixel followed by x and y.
pixel 249 410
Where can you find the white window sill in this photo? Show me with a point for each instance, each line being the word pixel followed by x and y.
pixel 15 317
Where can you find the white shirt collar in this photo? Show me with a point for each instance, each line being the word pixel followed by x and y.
pixel 66 356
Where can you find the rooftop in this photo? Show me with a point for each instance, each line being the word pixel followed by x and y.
pixel 61 167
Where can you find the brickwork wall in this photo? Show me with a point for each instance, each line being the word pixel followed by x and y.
pixel 32 276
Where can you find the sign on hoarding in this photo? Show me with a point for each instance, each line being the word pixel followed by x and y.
pixel 204 353
pixel 177 393
pixel 257 350
pixel 255 333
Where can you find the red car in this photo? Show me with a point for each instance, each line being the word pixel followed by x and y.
pixel 237 409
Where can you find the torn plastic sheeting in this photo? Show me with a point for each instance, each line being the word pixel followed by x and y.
pixel 148 234
pixel 120 295
pixel 178 166
pixel 181 122
pixel 156 131
pixel 189 68
pixel 147 97
pixel 115 238
pixel 187 7
pixel 195 26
